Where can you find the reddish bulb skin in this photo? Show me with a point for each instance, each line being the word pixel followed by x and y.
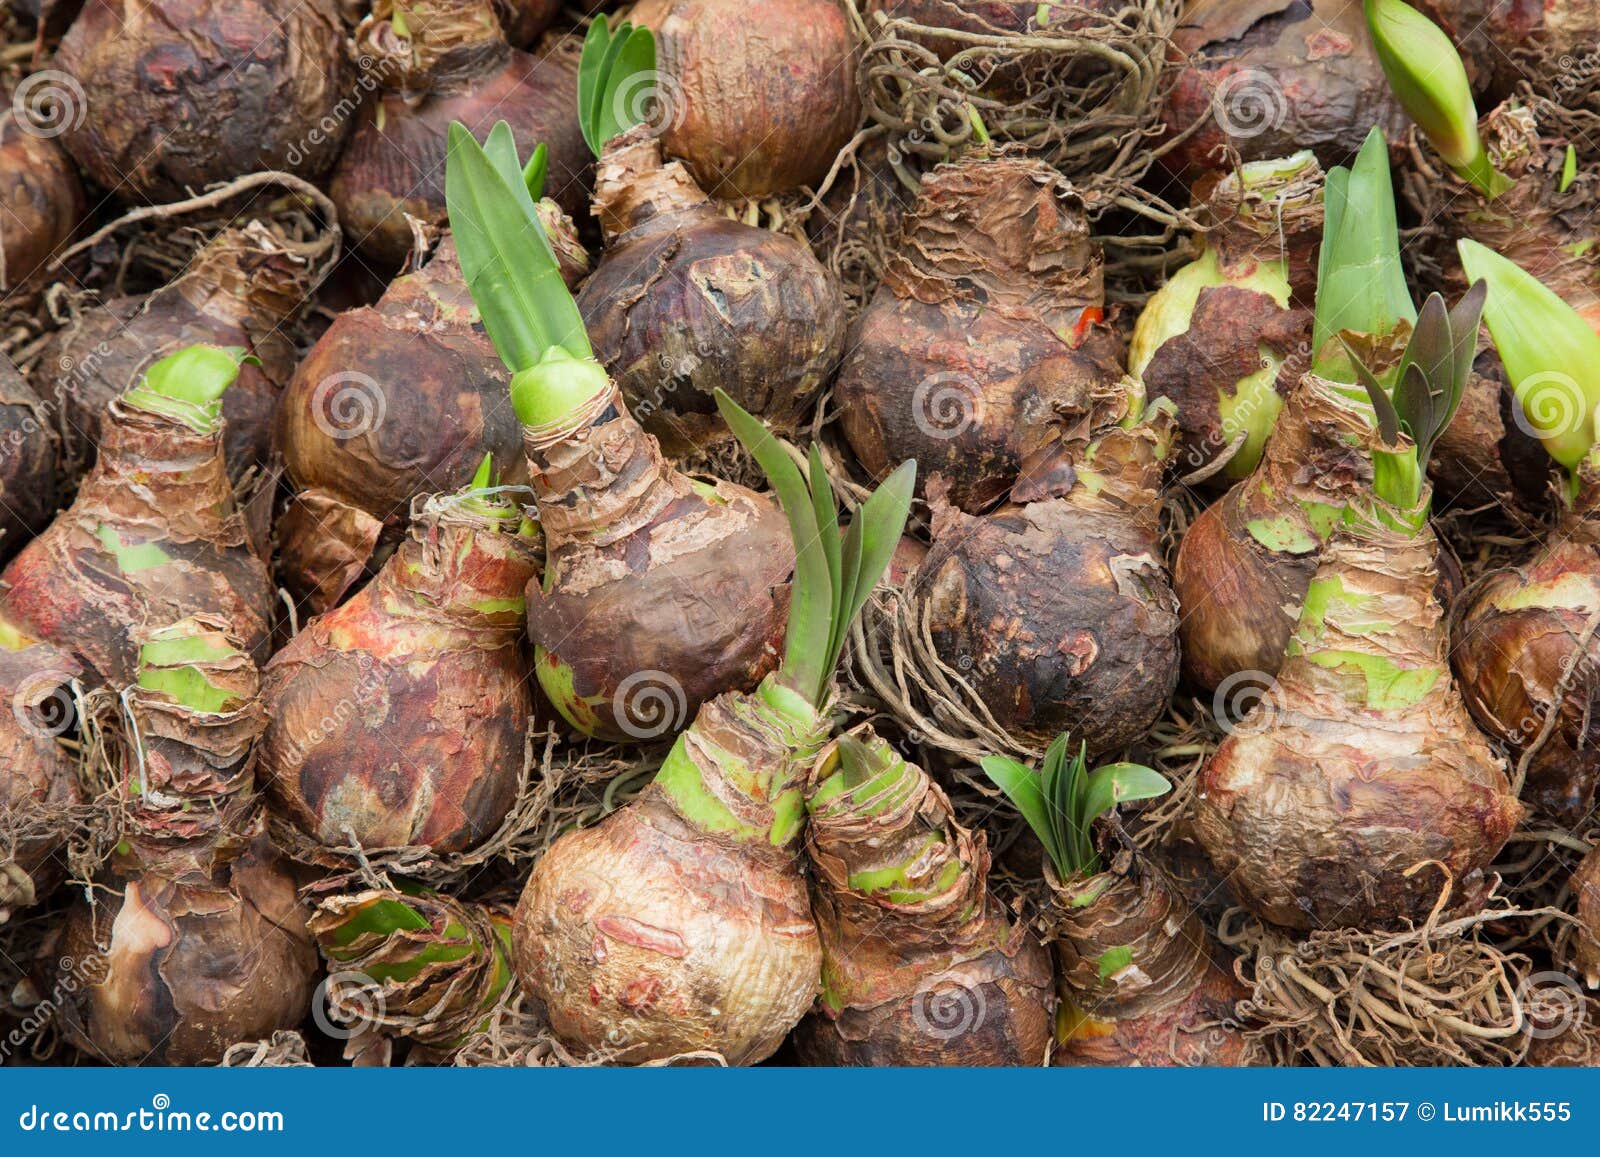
pixel 38 777
pixel 29 459
pixel 41 206
pixel 182 94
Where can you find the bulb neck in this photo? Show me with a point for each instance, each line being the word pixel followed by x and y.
pixel 634 186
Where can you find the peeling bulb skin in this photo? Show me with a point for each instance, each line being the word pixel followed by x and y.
pixel 1586 891
pixel 398 718
pixel 38 776
pixel 926 969
pixel 652 935
pixel 1517 635
pixel 41 205
pixel 153 535
pixel 1358 787
pixel 241 289
pixel 1056 608
pixel 455 66
pixel 1142 982
pixel 180 968
pixel 754 106
pixel 1264 81
pixel 28 490
pixel 183 94
pixel 989 316
pixel 658 592
pixel 686 300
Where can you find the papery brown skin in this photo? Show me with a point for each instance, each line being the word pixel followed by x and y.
pixel 761 102
pixel 1279 76
pixel 1516 636
pixel 1239 595
pixel 934 973
pixel 1343 801
pixel 398 718
pixel 241 289
pixel 646 937
pixel 41 204
pixel 29 460
pixel 988 317
pixel 1171 1004
pixel 1056 609
pixel 525 20
pixel 161 490
pixel 324 548
pixel 181 968
pixel 1586 893
pixel 652 583
pixel 400 398
pixel 686 301
pixel 182 94
pixel 38 776
pixel 394 164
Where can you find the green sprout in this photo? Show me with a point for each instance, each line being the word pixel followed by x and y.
pixel 1064 799
pixel 188 386
pixel 1429 80
pixel 608 72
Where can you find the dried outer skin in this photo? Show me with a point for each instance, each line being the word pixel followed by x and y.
pixel 759 106
pixel 191 797
pixel 1275 216
pixel 988 318
pixel 29 450
pixel 186 93
pixel 1359 784
pixel 437 982
pixel 38 778
pixel 1057 608
pixel 648 576
pixel 525 20
pixel 685 301
pixel 182 967
pixel 934 972
pixel 41 204
pixel 650 935
pixel 395 161
pixel 1228 332
pixel 1287 74
pixel 400 399
pixel 324 546
pixel 153 536
pixel 1162 997
pixel 398 718
pixel 1511 41
pixel 1586 891
pixel 1517 635
pixel 239 290
pixel 1240 594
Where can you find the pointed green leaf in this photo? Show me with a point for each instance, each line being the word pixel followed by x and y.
pixel 535 171
pixel 636 58
pixel 1569 170
pixel 1465 319
pixel 1022 788
pixel 1117 783
pixel 1383 408
pixel 883 520
pixel 1426 359
pixel 595 43
pixel 827 512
